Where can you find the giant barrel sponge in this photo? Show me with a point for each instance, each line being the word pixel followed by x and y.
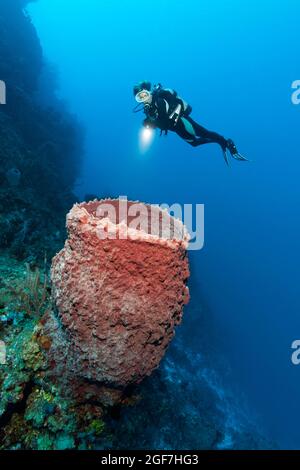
pixel 119 286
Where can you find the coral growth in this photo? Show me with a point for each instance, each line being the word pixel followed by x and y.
pixel 34 414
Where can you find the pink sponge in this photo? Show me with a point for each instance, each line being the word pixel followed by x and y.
pixel 120 288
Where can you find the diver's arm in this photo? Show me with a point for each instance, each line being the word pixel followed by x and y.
pixel 162 113
pixel 174 103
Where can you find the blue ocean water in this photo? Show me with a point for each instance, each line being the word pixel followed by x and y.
pixel 234 62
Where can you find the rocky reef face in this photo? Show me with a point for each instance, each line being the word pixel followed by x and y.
pixel 119 298
pixel 41 143
pixel 182 405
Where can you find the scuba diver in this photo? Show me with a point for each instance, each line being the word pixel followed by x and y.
pixel 165 110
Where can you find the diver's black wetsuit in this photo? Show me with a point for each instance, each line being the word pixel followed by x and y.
pixel 194 134
pixel 164 102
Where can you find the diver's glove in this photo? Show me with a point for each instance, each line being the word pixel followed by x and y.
pixel 231 147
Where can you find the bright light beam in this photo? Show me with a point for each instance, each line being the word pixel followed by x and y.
pixel 146 138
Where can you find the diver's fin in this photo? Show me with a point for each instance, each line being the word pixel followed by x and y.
pixel 225 157
pixel 234 151
pixel 239 157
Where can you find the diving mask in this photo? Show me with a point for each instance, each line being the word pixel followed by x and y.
pixel 143 96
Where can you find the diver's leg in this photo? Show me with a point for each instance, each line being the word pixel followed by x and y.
pixel 186 131
pixel 214 137
pixel 210 136
pixel 200 141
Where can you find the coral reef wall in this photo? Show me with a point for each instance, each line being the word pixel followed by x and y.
pixel 181 405
pixel 41 143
